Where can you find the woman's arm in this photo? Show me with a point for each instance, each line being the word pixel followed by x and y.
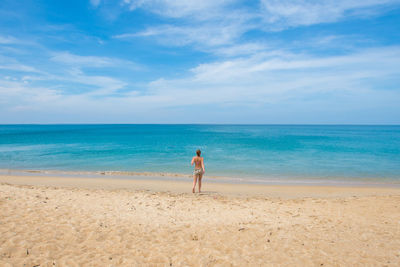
pixel 202 164
pixel 192 161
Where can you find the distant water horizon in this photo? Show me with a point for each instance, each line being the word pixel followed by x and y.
pixel 278 153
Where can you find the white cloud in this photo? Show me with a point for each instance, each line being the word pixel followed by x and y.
pixel 79 61
pixel 103 85
pixel 199 23
pixel 95 3
pixel 72 59
pixel 9 63
pixel 239 50
pixel 205 34
pixel 63 75
pixel 16 95
pixel 222 24
pixel 200 10
pixel 276 77
pixel 280 14
pixel 8 40
pixel 18 67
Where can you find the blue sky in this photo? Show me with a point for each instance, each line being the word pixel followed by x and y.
pixel 228 61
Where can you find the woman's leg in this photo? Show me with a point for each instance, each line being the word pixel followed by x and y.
pixel 194 183
pixel 200 176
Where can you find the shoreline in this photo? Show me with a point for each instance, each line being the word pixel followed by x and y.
pixel 159 176
pixel 208 188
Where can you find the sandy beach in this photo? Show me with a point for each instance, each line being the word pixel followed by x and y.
pixel 71 221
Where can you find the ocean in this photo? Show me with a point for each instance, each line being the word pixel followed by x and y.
pixel 319 154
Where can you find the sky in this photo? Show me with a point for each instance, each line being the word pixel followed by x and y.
pixel 191 61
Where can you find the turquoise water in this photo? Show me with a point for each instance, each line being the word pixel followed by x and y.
pixel 261 152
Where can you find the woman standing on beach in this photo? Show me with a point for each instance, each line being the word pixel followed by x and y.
pixel 198 170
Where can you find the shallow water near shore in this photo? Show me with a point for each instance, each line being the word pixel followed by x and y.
pixel 244 153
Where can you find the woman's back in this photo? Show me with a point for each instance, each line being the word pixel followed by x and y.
pixel 197 161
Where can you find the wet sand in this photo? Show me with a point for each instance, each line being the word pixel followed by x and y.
pixel 71 221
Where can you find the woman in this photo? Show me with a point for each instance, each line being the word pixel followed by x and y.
pixel 198 170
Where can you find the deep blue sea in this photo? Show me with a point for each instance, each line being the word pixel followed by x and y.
pixel 270 153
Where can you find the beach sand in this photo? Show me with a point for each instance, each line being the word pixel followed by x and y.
pixel 64 221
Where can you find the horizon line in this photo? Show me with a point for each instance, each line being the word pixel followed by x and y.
pixel 232 124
